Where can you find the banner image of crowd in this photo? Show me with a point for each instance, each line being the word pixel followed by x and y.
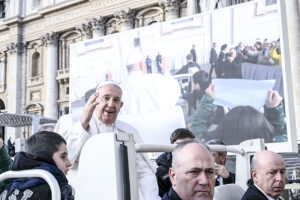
pixel 219 74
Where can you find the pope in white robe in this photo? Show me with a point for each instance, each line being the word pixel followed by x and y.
pixel 99 116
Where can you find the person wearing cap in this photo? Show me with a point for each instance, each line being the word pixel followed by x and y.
pixel 100 116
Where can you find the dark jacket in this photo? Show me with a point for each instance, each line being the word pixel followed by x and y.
pixel 185 68
pixel 213 56
pixel 171 195
pixel 164 162
pixel 193 52
pixel 5 161
pixel 253 193
pixel 36 188
pixel 229 180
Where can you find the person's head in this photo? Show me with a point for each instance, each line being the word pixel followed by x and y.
pixel 220 157
pixel 278 51
pixel 192 174
pixel 243 123
pixel 189 58
pixel 201 80
pixel 268 172
pixel 180 135
pixel 53 144
pixel 227 56
pixel 214 45
pixel 110 102
pixel 232 52
pixel 258 45
pixel 223 47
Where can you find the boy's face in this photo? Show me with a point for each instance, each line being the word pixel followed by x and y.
pixel 61 158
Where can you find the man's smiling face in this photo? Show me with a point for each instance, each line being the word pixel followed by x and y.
pixel 109 105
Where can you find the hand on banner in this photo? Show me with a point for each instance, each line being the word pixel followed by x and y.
pixel 274 99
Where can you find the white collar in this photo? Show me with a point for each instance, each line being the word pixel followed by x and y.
pixel 101 124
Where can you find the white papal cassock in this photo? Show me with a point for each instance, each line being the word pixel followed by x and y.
pixel 76 137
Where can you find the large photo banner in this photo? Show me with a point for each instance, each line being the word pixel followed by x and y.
pixel 218 74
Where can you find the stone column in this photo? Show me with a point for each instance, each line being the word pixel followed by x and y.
pixel 126 19
pixel 171 8
pixel 14 89
pixel 98 26
pixel 291 27
pixel 191 7
pixel 51 42
pixel 86 30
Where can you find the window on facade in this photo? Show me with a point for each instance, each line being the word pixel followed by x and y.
pixel 36 3
pixel 270 2
pixel 35 70
pixel 66 110
pixel 67 90
pixel 2 9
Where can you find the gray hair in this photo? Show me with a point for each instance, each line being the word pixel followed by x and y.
pixel 179 147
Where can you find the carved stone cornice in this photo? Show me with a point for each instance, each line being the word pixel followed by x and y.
pixel 16 47
pixel 85 29
pixel 169 5
pixel 35 44
pixel 97 23
pixel 2 54
pixel 49 38
pixel 125 16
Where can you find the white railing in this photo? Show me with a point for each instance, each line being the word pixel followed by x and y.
pixel 49 178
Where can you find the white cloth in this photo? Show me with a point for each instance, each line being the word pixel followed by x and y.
pixel 76 137
pixel 241 92
pixel 148 93
pixel 151 99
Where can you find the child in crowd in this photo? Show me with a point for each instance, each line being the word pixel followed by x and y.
pixel 44 150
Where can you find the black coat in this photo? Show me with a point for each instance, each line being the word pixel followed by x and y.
pixel 213 56
pixel 35 188
pixel 164 162
pixel 229 180
pixel 171 195
pixel 185 69
pixel 253 193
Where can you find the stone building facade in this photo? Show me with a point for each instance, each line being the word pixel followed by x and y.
pixel 35 36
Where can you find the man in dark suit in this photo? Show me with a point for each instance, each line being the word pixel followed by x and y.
pixel 194 54
pixel 268 177
pixel 213 59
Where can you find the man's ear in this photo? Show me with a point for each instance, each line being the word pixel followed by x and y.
pixel 254 175
pixel 172 176
pixel 121 104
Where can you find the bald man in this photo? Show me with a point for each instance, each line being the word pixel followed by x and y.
pixel 268 174
pixel 192 174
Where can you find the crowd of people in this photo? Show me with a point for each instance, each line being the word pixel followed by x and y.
pixel 228 63
pixel 191 171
